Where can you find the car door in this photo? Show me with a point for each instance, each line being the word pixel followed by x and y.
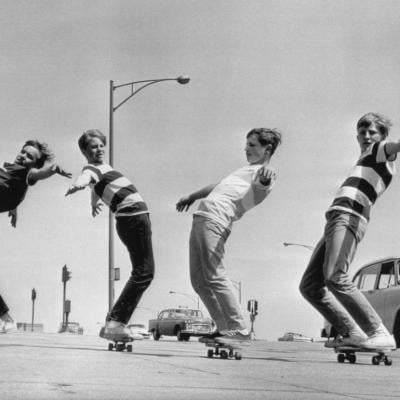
pixel 389 288
pixel 367 280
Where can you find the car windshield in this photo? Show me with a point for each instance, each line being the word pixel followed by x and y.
pixel 188 313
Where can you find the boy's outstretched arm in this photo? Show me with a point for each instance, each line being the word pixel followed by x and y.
pixel 45 172
pixel 82 181
pixel 185 202
pixel 392 148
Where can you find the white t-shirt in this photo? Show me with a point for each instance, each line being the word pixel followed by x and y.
pixel 234 195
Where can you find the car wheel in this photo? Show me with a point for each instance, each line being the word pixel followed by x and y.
pixel 179 335
pixel 156 335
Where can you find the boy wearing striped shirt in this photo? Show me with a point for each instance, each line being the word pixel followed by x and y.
pixel 326 283
pixel 132 224
pixel 221 205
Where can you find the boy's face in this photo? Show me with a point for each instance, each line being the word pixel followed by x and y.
pixel 255 152
pixel 94 152
pixel 28 157
pixel 368 135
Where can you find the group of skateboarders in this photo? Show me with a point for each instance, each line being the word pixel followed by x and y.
pixel 325 283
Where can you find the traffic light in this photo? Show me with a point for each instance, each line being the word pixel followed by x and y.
pixel 33 294
pixel 252 307
pixel 66 275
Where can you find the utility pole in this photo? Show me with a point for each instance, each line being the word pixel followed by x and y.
pixel 33 307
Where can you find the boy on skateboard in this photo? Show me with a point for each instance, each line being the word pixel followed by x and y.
pixel 221 205
pixel 32 164
pixel 132 223
pixel 326 283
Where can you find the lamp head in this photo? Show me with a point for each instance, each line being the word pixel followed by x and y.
pixel 183 79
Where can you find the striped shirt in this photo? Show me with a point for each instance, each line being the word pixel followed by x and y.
pixel 367 181
pixel 233 196
pixel 115 190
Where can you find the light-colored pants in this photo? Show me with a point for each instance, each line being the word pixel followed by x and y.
pixel 208 274
pixel 326 283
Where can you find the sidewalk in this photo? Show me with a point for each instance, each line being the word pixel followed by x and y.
pixel 64 366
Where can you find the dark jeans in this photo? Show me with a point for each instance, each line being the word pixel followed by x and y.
pixel 135 233
pixel 3 307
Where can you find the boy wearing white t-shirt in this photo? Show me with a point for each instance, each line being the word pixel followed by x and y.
pixel 221 205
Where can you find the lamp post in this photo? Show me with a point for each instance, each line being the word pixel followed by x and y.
pixel 196 299
pixel 311 248
pixel 33 297
pixel 183 79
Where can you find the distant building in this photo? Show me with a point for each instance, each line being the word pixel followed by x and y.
pixel 25 326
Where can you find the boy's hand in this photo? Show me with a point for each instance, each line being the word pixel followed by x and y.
pixel 96 209
pixel 266 175
pixel 184 203
pixel 58 170
pixel 73 189
pixel 13 215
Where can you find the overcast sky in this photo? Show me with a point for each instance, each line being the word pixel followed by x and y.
pixel 309 68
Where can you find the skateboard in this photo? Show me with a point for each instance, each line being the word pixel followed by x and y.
pixel 224 350
pixel 349 353
pixel 119 343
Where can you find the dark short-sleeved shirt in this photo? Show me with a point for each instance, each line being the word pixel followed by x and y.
pixel 13 185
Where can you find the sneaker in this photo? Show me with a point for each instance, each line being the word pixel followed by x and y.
pixel 333 343
pixel 353 339
pixel 379 341
pixel 233 336
pixel 115 331
pixel 8 327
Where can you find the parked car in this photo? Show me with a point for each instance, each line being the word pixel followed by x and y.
pixel 295 337
pixel 139 329
pixel 72 327
pixel 380 283
pixel 180 322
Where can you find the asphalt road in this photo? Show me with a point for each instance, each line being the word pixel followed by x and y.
pixel 64 366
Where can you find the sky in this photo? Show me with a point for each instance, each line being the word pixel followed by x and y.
pixel 310 68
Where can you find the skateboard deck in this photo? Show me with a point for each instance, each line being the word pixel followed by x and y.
pixel 349 353
pixel 117 342
pixel 224 350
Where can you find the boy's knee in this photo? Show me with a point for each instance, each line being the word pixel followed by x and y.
pixel 305 288
pixel 338 281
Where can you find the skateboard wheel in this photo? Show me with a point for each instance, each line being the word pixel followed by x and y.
pixel 238 356
pixel 341 358
pixel 375 360
pixel 224 354
pixel 120 347
pixel 352 358
pixel 110 347
pixel 210 353
pixel 388 361
pixel 129 348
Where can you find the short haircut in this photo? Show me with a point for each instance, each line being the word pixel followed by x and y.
pixel 381 122
pixel 45 153
pixel 266 137
pixel 84 140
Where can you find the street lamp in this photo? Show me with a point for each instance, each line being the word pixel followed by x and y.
pixel 194 298
pixel 299 244
pixel 183 79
